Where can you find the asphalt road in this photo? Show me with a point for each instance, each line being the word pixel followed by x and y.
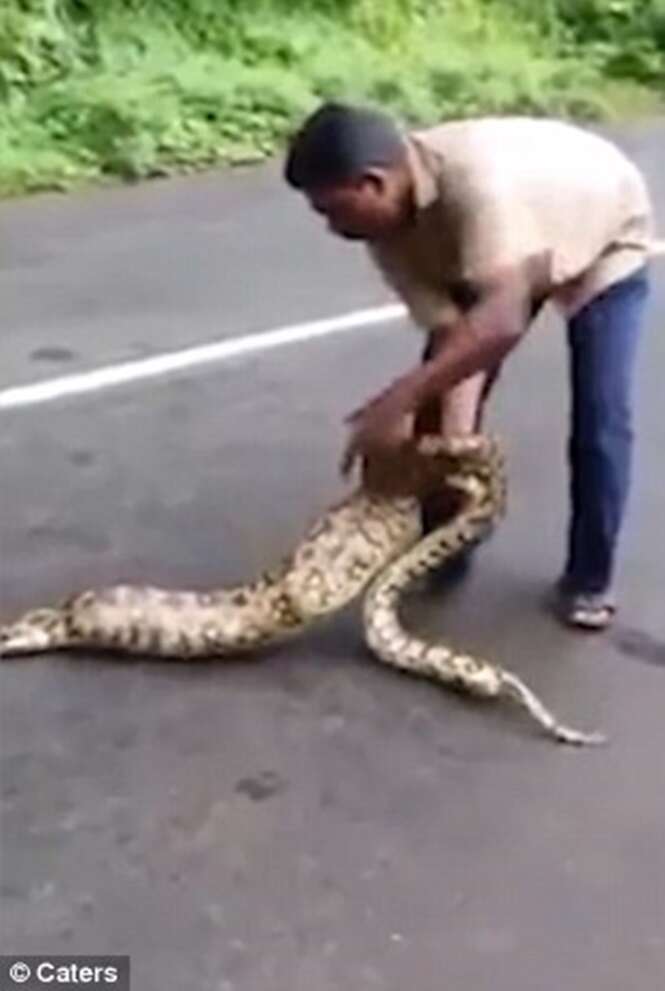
pixel 312 822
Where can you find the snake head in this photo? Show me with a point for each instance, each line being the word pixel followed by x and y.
pixel 35 632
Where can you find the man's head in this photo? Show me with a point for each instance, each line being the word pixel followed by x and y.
pixel 351 165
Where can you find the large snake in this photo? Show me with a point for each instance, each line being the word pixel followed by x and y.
pixel 372 538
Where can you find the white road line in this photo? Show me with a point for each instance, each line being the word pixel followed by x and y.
pixel 205 354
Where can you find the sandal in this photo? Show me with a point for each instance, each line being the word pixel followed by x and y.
pixel 588 610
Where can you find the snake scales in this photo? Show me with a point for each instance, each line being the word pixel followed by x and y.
pixel 371 541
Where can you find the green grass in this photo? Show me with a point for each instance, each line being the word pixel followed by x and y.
pixel 123 89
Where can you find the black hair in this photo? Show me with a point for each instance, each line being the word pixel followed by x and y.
pixel 339 143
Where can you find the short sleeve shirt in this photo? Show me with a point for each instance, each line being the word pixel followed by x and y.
pixel 494 192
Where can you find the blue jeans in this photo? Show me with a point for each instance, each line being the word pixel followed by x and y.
pixel 603 339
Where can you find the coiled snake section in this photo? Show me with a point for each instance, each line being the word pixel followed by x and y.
pixel 371 542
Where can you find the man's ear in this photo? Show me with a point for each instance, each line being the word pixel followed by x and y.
pixel 376 177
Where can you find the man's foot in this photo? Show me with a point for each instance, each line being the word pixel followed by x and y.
pixel 593 611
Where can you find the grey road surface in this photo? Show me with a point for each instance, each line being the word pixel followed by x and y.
pixel 313 821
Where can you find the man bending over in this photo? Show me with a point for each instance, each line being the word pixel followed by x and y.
pixel 475 224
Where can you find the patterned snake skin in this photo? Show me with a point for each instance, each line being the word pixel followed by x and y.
pixel 371 538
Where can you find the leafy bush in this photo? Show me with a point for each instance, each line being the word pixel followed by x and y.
pixel 131 88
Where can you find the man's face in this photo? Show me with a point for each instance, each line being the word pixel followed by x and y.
pixel 366 209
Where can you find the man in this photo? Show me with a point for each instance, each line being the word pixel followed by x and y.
pixel 475 224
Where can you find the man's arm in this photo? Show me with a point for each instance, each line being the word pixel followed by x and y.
pixel 492 320
pixel 504 268
pixel 493 316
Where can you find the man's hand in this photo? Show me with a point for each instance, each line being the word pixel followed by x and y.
pixel 379 424
pixel 492 320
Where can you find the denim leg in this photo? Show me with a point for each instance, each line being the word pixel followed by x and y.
pixel 603 339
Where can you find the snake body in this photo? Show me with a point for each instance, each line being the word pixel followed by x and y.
pixel 484 489
pixel 325 572
pixel 371 538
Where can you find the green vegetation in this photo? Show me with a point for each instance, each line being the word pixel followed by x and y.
pixel 130 88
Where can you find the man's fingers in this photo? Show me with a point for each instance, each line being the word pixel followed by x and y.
pixel 354 416
pixel 369 409
pixel 348 459
pixel 346 466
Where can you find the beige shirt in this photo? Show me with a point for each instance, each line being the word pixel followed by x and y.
pixel 494 191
